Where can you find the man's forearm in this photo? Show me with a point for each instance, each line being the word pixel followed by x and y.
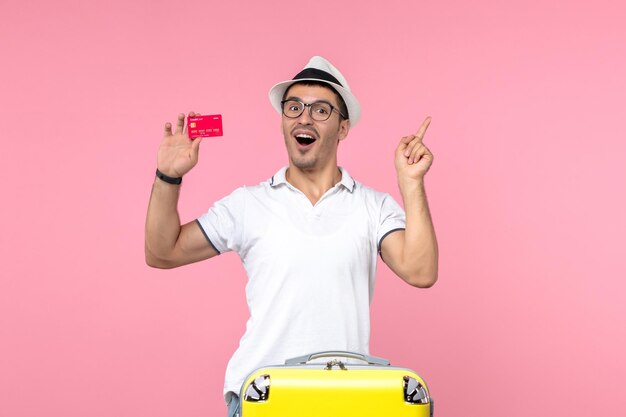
pixel 162 222
pixel 420 251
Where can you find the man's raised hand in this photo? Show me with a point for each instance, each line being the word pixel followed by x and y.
pixel 178 154
pixel 413 158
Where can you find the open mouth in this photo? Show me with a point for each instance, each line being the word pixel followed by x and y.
pixel 304 139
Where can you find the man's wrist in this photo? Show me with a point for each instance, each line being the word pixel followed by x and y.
pixel 411 185
pixel 168 179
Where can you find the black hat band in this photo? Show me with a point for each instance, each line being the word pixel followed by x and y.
pixel 316 74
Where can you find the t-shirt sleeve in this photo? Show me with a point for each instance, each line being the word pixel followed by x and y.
pixel 221 225
pixel 392 218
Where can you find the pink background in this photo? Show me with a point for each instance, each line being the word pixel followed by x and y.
pixel 527 193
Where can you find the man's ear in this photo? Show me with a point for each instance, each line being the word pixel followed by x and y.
pixel 344 128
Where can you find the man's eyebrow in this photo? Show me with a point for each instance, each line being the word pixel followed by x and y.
pixel 316 101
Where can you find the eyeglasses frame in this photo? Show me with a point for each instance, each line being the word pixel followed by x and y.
pixel 309 105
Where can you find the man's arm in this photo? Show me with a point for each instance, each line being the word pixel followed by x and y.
pixel 167 243
pixel 412 253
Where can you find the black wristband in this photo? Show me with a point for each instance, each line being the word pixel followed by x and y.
pixel 169 180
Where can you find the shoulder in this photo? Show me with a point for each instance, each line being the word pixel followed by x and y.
pixel 370 194
pixel 359 190
pixel 381 206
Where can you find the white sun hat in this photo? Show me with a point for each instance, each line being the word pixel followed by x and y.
pixel 319 69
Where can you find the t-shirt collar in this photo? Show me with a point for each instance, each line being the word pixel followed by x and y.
pixel 346 180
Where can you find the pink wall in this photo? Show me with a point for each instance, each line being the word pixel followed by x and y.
pixel 527 192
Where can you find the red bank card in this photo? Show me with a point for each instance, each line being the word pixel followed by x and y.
pixel 202 126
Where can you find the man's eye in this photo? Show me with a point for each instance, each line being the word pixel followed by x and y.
pixel 321 110
pixel 294 107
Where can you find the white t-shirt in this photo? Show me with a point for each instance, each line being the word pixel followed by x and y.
pixel 311 268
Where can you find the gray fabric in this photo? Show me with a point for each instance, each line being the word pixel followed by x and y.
pixel 233 406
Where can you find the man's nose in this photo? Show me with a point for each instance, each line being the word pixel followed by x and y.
pixel 305 118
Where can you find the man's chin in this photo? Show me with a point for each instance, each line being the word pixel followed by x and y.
pixel 303 164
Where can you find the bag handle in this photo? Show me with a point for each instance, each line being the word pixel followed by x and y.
pixel 372 360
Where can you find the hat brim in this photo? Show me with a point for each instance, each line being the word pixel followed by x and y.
pixel 277 92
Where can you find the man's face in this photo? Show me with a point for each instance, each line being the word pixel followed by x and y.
pixel 312 144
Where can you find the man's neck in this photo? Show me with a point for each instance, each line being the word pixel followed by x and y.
pixel 313 183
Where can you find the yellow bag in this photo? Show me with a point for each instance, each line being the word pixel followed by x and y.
pixel 335 388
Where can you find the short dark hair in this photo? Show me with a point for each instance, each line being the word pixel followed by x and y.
pixel 342 104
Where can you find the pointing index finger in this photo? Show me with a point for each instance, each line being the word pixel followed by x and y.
pixel 422 130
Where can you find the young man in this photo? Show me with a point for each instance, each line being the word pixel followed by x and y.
pixel 309 236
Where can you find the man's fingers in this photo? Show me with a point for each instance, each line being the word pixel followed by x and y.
pixel 412 142
pixel 422 130
pixel 422 153
pixel 180 123
pixel 405 144
pixel 167 131
pixel 191 114
pixel 412 146
pixel 416 153
pixel 195 145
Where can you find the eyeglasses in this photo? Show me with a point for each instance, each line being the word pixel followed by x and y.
pixel 319 110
